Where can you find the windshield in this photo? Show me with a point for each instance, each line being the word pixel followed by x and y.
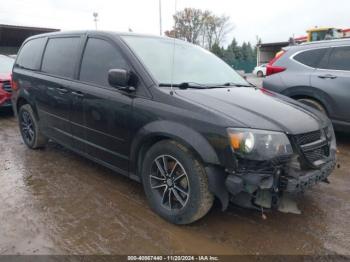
pixel 187 64
pixel 6 64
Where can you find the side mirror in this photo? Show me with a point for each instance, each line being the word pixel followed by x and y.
pixel 119 78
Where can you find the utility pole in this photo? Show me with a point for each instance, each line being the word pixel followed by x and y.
pixel 95 15
pixel 160 18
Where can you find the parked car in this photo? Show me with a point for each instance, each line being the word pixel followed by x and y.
pixel 260 71
pixel 6 64
pixel 182 122
pixel 316 74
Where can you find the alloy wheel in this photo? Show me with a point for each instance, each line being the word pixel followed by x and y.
pixel 27 127
pixel 169 181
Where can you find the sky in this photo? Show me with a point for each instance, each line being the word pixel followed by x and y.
pixel 271 20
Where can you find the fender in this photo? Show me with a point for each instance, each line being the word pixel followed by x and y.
pixel 187 136
pixel 23 94
pixel 174 131
pixel 311 92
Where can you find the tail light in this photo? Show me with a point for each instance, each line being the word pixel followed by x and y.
pixel 14 85
pixel 271 69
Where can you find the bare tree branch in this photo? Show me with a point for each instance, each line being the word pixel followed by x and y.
pixel 200 27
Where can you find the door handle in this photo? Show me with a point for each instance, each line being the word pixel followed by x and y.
pixel 78 93
pixel 327 76
pixel 62 90
pixel 51 88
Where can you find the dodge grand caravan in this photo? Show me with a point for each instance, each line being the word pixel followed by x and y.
pixel 172 116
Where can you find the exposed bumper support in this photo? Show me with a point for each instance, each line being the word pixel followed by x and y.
pixel 271 190
pixel 256 190
pixel 307 180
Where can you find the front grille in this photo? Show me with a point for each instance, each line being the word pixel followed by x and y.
pixel 317 154
pixel 6 85
pixel 307 138
pixel 313 145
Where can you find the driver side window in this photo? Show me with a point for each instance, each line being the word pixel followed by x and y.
pixel 99 57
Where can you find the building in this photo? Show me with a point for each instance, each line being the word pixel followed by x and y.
pixel 267 51
pixel 12 37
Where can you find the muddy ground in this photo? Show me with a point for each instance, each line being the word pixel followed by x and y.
pixel 53 201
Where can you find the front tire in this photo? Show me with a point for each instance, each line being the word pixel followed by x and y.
pixel 175 183
pixel 29 128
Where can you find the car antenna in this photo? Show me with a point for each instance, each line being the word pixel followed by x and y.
pixel 173 58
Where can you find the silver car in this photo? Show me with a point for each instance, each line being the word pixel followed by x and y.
pixel 316 74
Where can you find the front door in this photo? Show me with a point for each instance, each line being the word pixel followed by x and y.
pixel 106 111
pixel 334 79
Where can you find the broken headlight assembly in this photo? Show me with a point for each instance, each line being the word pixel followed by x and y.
pixel 259 145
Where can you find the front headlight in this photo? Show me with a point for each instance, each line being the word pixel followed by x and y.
pixel 257 144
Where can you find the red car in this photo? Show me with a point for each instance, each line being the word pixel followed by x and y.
pixel 6 64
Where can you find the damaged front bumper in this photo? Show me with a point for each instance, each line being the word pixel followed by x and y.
pixel 272 183
pixel 309 178
pixel 273 190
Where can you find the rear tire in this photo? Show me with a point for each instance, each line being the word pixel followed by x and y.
pixel 171 167
pixel 29 128
pixel 314 104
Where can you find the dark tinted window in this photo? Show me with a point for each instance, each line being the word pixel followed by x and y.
pixel 99 57
pixel 30 54
pixel 311 57
pixel 60 56
pixel 340 58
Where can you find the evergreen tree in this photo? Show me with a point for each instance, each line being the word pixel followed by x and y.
pixel 239 57
pixel 217 50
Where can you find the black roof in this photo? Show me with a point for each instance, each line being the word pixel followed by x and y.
pixel 114 33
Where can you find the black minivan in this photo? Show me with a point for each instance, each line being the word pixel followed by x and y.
pixel 171 115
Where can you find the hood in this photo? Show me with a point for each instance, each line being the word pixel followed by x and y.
pixel 257 108
pixel 5 76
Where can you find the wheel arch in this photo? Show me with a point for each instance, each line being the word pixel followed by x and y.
pixel 194 141
pixel 161 130
pixel 308 92
pixel 23 99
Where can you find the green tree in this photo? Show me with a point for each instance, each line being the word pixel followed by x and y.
pixel 232 53
pixel 217 50
pixel 240 57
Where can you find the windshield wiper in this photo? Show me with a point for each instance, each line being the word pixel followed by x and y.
pixel 185 85
pixel 237 84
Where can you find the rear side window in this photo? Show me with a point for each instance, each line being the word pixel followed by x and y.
pixel 311 58
pixel 60 56
pixel 340 58
pixel 99 57
pixel 30 54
